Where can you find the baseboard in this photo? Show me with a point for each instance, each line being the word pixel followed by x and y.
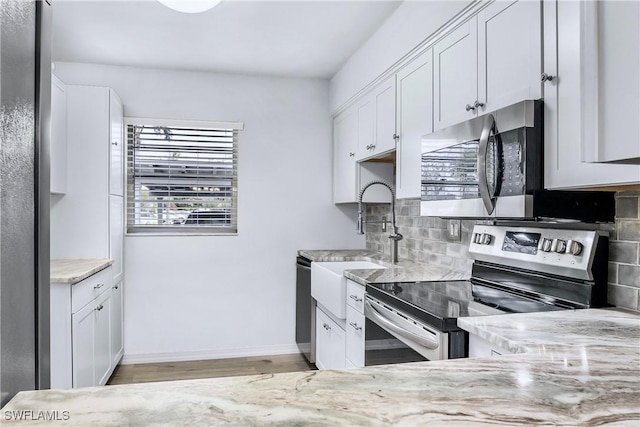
pixel 131 359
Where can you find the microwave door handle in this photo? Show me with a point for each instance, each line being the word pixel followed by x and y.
pixel 483 186
pixel 381 320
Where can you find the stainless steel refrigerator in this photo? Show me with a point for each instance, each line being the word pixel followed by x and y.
pixel 25 103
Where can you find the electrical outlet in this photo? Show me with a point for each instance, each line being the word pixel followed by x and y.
pixel 454 230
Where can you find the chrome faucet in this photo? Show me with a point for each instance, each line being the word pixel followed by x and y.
pixel 393 235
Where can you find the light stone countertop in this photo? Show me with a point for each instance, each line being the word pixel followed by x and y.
pixel 546 332
pixel 404 271
pixel 590 382
pixel 72 271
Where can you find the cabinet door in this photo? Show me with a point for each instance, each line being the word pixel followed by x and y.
pixel 509 53
pixel 102 339
pixel 385 101
pixel 330 343
pixel 345 135
pixel 116 129
pixel 414 118
pixel 615 133
pixel 117 341
pixel 455 59
pixel 564 128
pixel 58 136
pixel 366 118
pixel 116 236
pixel 355 341
pixel 83 333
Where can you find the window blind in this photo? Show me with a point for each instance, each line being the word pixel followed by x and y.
pixel 181 178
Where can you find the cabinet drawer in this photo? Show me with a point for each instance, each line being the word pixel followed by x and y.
pixel 355 337
pixel 355 296
pixel 90 288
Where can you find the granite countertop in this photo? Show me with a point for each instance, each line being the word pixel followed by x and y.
pixel 588 382
pixel 547 332
pixel 72 271
pixel 404 271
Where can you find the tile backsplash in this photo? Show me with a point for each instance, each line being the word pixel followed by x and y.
pixel 426 240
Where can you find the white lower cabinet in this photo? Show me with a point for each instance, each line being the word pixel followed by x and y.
pixel 479 347
pixel 117 326
pixel 330 342
pixel 355 337
pixel 86 321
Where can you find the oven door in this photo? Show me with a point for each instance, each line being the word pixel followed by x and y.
pixel 395 337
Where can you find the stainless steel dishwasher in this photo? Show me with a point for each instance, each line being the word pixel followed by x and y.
pixel 305 310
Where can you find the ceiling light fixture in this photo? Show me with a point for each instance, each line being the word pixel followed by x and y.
pixel 190 6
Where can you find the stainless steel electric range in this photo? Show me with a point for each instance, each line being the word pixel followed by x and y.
pixel 517 269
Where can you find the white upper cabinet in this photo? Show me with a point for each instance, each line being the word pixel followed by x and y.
pixel 350 175
pixel 345 140
pixel 116 178
pixel 509 53
pixel 613 52
pixel 455 90
pixel 58 136
pixel 377 120
pixel 569 101
pixel 414 118
pixel 491 61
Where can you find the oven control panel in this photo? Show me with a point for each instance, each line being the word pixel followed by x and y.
pixel 557 251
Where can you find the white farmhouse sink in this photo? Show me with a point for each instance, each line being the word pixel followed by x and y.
pixel 329 286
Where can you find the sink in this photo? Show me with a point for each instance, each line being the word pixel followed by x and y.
pixel 329 286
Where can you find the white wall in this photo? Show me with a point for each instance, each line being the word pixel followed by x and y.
pixel 411 24
pixel 217 296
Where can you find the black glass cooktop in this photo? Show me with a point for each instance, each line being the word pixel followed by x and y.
pixel 436 303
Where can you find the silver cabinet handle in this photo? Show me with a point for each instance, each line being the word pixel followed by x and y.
pixel 487 199
pixel 114 143
pixel 370 146
pixel 326 327
pixel 100 307
pixel 351 154
pixel 544 77
pixel 98 286
pixel 115 287
pixel 355 326
pixel 469 107
pixel 396 136
pixel 478 104
pixel 355 298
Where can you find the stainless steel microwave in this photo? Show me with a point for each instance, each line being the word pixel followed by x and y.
pixel 493 167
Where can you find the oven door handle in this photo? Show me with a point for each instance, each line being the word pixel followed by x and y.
pixel 383 321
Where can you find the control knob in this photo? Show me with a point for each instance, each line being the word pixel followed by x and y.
pixel 486 239
pixel 546 245
pixel 574 248
pixel 560 246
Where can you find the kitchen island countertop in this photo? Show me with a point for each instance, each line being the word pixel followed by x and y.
pixel 72 271
pixel 589 382
pixel 404 271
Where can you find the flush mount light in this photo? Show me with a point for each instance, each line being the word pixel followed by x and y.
pixel 190 6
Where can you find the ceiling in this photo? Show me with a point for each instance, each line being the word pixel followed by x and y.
pixel 302 38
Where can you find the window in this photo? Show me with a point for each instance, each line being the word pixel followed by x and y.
pixel 182 177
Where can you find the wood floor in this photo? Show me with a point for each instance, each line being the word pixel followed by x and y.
pixel 169 371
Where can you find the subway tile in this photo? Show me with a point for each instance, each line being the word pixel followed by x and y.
pixel 434 247
pixel 626 252
pixel 624 296
pixel 629 275
pixel 612 272
pixel 435 234
pixel 628 230
pixel 627 207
